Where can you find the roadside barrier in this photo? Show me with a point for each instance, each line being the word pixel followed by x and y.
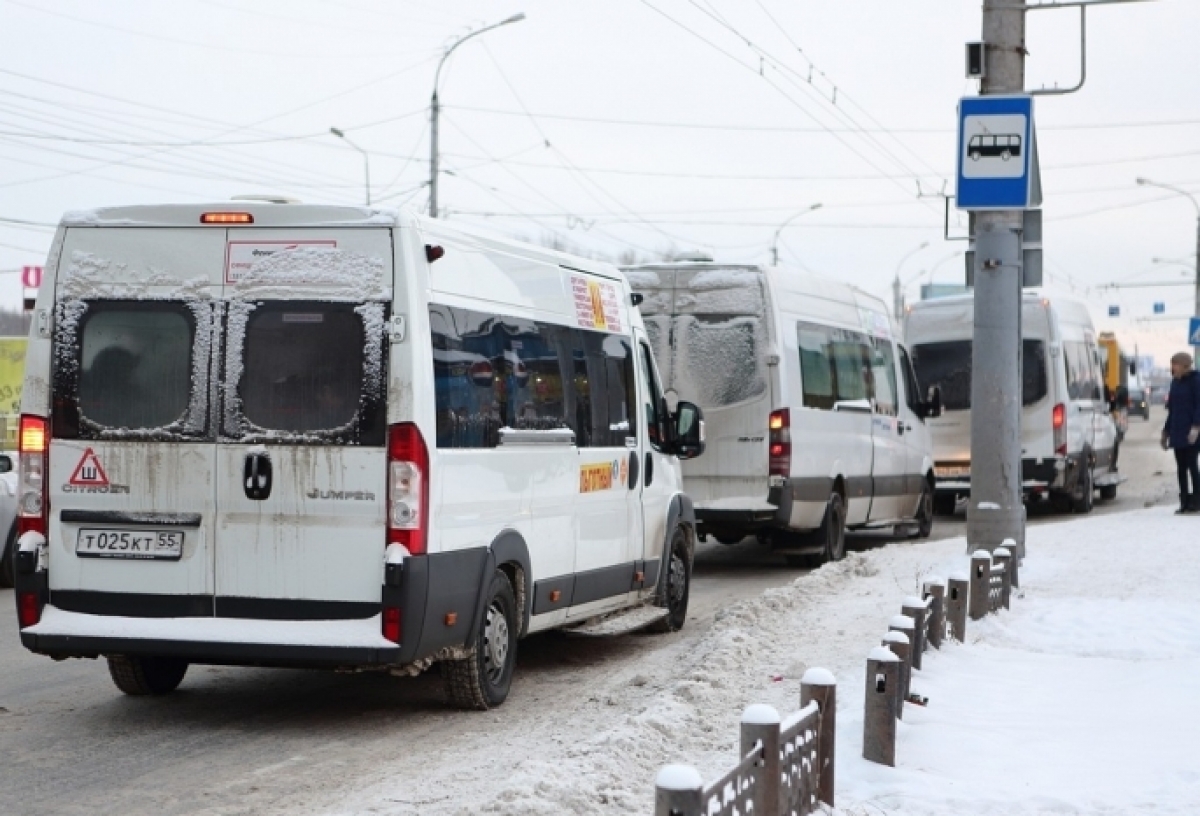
pixel 786 767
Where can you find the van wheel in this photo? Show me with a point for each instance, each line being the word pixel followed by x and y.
pixel 832 533
pixel 1085 499
pixel 678 585
pixel 141 676
pixel 7 563
pixel 924 512
pixel 482 680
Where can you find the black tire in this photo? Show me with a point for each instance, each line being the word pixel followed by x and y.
pixel 141 676
pixel 1085 495
pixel 832 533
pixel 483 679
pixel 729 539
pixel 943 504
pixel 924 517
pixel 1108 492
pixel 8 568
pixel 677 586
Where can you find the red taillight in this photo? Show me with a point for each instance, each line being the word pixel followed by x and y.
pixel 779 443
pixel 29 609
pixel 408 488
pixel 34 447
pixel 1060 429
pixel 391 623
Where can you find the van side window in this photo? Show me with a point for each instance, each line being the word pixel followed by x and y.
pixel 1082 380
pixel 883 378
pixel 130 367
pixel 835 365
pixel 652 401
pixel 493 371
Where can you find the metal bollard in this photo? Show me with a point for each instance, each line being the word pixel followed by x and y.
pixel 820 685
pixel 915 608
pixel 957 592
pixel 1011 545
pixel 1005 560
pixel 981 577
pixel 897 643
pixel 935 591
pixel 678 791
pixel 760 723
pixel 879 719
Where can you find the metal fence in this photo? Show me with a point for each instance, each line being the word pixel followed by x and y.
pixel 786 767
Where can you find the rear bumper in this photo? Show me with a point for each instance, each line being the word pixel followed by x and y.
pixel 1037 475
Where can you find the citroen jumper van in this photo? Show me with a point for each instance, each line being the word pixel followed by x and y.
pixel 294 435
pixel 813 413
pixel 1068 440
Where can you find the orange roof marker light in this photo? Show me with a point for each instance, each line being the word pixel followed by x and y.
pixel 226 218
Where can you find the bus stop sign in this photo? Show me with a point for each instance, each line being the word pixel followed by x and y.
pixel 997 154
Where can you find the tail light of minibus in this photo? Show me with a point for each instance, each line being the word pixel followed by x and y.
pixel 779 442
pixel 33 445
pixel 407 503
pixel 1060 429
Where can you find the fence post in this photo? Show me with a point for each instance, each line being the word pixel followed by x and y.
pixel 678 791
pixel 897 643
pixel 981 576
pixel 936 591
pixel 957 591
pixel 1005 560
pixel 879 720
pixel 915 608
pixel 760 724
pixel 821 686
pixel 1011 545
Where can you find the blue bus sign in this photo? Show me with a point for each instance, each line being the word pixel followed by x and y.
pixel 997 154
pixel 1194 331
pixel 1114 311
pixel 1160 307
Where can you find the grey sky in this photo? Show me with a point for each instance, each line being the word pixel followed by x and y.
pixel 613 125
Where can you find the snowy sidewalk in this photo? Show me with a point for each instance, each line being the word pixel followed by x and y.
pixel 1084 698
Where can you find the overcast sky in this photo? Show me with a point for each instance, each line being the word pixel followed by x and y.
pixel 615 126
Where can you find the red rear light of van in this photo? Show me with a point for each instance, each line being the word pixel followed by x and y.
pixel 779 442
pixel 33 444
pixel 226 218
pixel 391 623
pixel 408 488
pixel 1060 429
pixel 29 609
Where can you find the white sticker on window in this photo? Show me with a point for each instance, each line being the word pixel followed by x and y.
pixel 240 256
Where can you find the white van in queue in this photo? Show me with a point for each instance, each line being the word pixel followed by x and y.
pixel 1068 440
pixel 300 435
pixel 814 420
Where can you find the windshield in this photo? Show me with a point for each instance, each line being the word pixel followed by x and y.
pixel 948 366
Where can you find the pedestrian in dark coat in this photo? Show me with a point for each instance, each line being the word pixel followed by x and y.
pixel 1182 430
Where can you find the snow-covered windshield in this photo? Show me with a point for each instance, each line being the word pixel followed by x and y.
pixel 948 366
pixel 708 330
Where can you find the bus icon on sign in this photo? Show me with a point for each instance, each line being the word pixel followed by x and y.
pixel 1004 146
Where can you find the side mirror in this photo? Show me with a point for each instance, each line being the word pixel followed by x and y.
pixel 689 431
pixel 6 463
pixel 933 405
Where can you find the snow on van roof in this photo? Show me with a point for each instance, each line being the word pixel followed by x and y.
pixel 265 215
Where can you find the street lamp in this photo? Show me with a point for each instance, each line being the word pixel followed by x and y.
pixel 1145 182
pixel 434 108
pixel 775 239
pixel 366 159
pixel 897 289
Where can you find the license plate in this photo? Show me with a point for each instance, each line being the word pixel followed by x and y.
pixel 949 472
pixel 144 544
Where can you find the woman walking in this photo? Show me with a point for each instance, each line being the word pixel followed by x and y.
pixel 1182 431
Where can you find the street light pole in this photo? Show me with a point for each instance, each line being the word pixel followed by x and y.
pixel 775 238
pixel 435 109
pixel 1145 182
pixel 897 288
pixel 366 159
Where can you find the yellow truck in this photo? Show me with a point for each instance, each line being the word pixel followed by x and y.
pixel 1117 368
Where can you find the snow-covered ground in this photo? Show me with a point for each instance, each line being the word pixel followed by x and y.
pixel 1083 699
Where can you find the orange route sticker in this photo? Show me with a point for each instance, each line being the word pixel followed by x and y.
pixel 595 477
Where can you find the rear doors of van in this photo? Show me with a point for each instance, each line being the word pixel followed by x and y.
pixel 219 422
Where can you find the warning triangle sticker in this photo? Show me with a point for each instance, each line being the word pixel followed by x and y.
pixel 89 473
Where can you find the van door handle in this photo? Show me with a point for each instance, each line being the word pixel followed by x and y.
pixel 256 476
pixel 633 470
pixel 649 477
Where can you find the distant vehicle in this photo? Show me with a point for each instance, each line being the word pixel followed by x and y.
pixel 321 436
pixel 1004 146
pixel 814 419
pixel 1139 403
pixel 1068 438
pixel 1118 367
pixel 8 516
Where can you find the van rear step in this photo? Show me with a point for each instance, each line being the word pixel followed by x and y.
pixel 620 623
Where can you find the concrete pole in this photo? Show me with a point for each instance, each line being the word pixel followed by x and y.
pixel 935 591
pixel 820 685
pixel 879 712
pixel 434 107
pixel 995 511
pixel 760 724
pixel 957 592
